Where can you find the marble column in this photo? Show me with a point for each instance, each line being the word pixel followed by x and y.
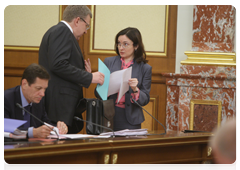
pixel 213 28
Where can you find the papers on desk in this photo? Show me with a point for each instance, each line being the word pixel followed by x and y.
pixel 116 82
pixel 128 132
pixel 78 136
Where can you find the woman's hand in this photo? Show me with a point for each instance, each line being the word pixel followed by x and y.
pixel 133 82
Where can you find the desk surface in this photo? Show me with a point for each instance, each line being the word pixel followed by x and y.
pixel 174 147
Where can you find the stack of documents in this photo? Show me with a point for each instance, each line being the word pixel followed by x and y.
pixel 77 136
pixel 128 132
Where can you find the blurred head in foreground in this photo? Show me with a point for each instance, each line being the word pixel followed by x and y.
pixel 223 143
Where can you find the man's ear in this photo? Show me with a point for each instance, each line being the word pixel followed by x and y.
pixel 24 83
pixel 76 20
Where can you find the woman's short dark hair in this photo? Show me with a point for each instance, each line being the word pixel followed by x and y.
pixel 135 36
pixel 33 71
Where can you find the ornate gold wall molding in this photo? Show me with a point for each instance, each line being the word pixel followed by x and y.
pixel 29 13
pixel 93 50
pixel 209 58
pixel 21 48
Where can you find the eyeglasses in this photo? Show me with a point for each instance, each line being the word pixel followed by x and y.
pixel 88 26
pixel 124 45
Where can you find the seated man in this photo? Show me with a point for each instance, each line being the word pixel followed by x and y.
pixel 33 85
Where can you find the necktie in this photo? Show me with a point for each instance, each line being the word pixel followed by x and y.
pixel 27 116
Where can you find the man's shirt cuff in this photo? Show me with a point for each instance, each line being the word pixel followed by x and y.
pixel 30 132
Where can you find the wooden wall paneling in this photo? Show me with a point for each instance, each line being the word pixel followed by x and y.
pixel 164 64
pixel 10 82
pixel 152 109
pixel 15 61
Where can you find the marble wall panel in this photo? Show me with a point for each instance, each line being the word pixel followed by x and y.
pixel 215 83
pixel 205 117
pixel 171 81
pixel 226 96
pixel 213 28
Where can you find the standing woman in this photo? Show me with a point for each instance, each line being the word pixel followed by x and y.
pixel 130 50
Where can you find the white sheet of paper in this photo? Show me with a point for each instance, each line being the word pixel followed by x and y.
pixel 119 82
pixel 78 136
pixel 125 86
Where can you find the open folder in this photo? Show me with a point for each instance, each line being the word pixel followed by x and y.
pixel 116 82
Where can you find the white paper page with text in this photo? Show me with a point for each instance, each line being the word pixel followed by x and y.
pixel 119 80
pixel 127 74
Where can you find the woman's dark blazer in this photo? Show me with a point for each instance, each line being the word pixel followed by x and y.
pixel 141 71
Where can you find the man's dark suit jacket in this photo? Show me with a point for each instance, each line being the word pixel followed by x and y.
pixel 141 71
pixel 61 55
pixel 11 97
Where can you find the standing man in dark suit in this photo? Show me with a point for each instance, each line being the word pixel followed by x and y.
pixel 29 94
pixel 61 55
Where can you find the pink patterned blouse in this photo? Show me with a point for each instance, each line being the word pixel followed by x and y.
pixel 122 100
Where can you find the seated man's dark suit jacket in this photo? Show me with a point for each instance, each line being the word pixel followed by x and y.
pixel 11 97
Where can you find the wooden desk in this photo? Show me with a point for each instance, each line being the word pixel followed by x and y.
pixel 167 149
